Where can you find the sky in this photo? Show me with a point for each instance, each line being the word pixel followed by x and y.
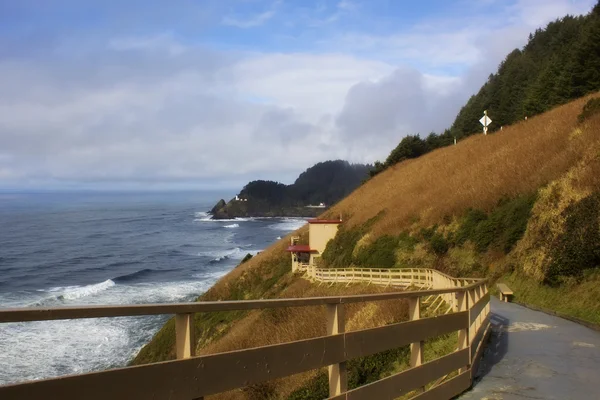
pixel 209 94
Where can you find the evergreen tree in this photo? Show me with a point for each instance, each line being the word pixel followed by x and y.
pixel 559 63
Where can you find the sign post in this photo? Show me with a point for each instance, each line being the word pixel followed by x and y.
pixel 485 121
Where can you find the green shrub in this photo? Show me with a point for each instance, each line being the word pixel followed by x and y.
pixel 578 247
pixel 406 242
pixel 467 228
pixel 379 254
pixel 364 370
pixel 427 233
pixel 361 371
pixel 315 389
pixel 501 229
pixel 464 261
pixel 592 107
pixel 338 252
pixel 513 216
pixel 438 243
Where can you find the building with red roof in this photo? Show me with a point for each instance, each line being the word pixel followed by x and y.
pixel 320 232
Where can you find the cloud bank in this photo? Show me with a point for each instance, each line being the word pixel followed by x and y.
pixel 156 109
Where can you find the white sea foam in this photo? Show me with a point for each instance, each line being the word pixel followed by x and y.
pixel 288 224
pixel 232 226
pixel 77 292
pixel 202 216
pixel 237 253
pixel 35 350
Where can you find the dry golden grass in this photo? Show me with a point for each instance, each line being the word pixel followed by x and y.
pixel 475 173
pixel 548 218
pixel 265 327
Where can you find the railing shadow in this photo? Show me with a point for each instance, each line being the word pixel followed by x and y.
pixel 496 347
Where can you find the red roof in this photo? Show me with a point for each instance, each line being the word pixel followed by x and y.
pixel 299 248
pixel 324 221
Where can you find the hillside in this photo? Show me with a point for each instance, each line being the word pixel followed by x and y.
pixel 559 63
pixel 521 205
pixel 515 205
pixel 323 183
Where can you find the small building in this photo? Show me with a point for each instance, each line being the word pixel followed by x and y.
pixel 320 232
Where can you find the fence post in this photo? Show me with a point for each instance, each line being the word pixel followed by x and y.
pixel 185 342
pixel 463 334
pixel 338 379
pixel 416 349
pixel 474 326
pixel 487 307
pixel 480 295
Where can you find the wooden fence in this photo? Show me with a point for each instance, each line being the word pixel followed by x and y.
pixel 193 377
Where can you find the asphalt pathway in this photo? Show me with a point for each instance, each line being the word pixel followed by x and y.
pixel 532 355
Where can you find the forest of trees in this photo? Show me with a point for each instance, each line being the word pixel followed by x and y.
pixel 559 63
pixel 325 182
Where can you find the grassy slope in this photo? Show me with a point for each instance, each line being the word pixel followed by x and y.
pixel 551 162
pixel 474 174
pixel 423 206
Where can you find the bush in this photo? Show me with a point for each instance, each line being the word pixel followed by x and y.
pixel 463 261
pixel 407 242
pixel 467 229
pixel 438 243
pixel 512 216
pixel 379 254
pixel 501 229
pixel 361 371
pixel 339 250
pixel 315 389
pixel 578 247
pixel 592 107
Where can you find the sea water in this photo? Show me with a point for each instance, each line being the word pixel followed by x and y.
pixel 71 249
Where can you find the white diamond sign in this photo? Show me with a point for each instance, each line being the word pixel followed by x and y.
pixel 485 120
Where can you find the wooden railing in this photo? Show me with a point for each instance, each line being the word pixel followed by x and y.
pixel 191 377
pixel 418 278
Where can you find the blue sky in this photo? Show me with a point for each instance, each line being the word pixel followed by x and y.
pixel 209 94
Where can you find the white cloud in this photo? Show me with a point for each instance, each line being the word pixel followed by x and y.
pixel 251 21
pixel 313 84
pixel 150 109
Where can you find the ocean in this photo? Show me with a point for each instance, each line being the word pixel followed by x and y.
pixel 65 249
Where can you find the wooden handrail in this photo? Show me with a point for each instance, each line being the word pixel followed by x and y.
pixel 192 377
pixel 77 312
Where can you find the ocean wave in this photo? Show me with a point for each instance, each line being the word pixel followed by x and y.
pixel 54 348
pixel 120 264
pixel 288 224
pixel 143 273
pixel 77 292
pixel 202 216
pixel 237 253
pixel 232 226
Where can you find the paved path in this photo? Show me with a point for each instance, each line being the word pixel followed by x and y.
pixel 533 355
